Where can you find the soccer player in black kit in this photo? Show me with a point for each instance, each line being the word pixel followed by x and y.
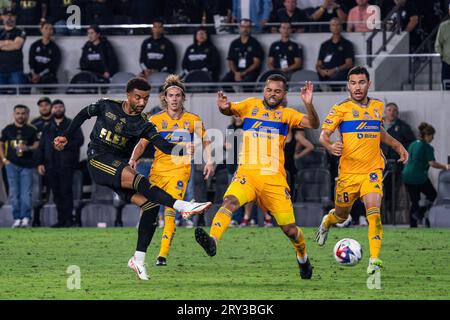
pixel 118 128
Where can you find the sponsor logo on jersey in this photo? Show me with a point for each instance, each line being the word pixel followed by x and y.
pixel 109 136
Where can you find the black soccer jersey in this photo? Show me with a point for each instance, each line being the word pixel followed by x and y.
pixel 115 131
pixel 284 53
pixel 13 136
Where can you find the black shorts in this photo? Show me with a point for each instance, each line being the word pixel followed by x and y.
pixel 106 170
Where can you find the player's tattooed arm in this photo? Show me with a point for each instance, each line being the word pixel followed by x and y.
pixel 386 138
pixel 333 148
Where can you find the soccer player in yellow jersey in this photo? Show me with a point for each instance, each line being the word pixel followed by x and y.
pixel 261 175
pixel 176 125
pixel 359 121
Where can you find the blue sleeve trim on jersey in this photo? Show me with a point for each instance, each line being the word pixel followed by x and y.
pixel 264 125
pixel 177 136
pixel 360 126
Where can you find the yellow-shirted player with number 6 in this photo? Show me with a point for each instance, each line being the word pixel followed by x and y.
pixel 359 120
pixel 261 175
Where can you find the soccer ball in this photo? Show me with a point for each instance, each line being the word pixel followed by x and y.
pixel 347 252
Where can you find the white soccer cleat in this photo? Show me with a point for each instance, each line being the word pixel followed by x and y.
pixel 25 223
pixel 362 221
pixel 138 268
pixel 322 233
pixel 16 223
pixel 346 223
pixel 195 208
pixel 375 265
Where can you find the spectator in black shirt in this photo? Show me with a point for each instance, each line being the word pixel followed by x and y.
pixel 245 56
pixel 291 13
pixel 11 56
pixel 31 13
pixel 407 17
pixel 17 143
pixel 183 12
pixel 98 12
pixel 143 11
pixel 59 166
pixel 336 55
pixel 44 57
pixel 285 55
pixel 328 10
pixel 98 55
pixel 157 52
pixel 202 55
pixel 57 15
pixel 45 114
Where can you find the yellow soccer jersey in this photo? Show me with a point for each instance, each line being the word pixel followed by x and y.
pixel 360 128
pixel 176 131
pixel 264 136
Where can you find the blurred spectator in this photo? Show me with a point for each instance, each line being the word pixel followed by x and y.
pixel 18 141
pixel 442 46
pixel 59 166
pixel 276 5
pixel 44 57
pixel 430 14
pixel 407 17
pixel 245 56
pixel 290 13
pixel 336 55
pixel 358 16
pixel 202 55
pixel 297 146
pixel 257 11
pixel 218 12
pixel 415 173
pixel 143 11
pixel 183 12
pixel 45 114
pixel 31 13
pixel 157 52
pixel 6 4
pixel 11 56
pixel 402 132
pixel 327 11
pixel 98 55
pixel 285 55
pixel 57 15
pixel 98 12
pixel 122 10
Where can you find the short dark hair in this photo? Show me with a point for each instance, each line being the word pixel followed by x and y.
pixel 21 106
pixel 138 83
pixel 58 101
pixel 245 20
pixel 158 20
pixel 358 70
pixel 278 77
pixel 44 99
pixel 94 27
pixel 392 104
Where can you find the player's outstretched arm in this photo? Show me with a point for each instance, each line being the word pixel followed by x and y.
pixel 61 141
pixel 137 153
pixel 311 120
pixel 223 104
pixel 333 148
pixel 386 138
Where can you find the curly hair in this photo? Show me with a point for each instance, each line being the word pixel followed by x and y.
pixel 172 80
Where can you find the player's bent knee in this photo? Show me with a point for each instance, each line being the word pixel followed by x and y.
pixel 231 203
pixel 290 231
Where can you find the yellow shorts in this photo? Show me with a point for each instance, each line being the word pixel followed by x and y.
pixel 173 185
pixel 350 187
pixel 271 193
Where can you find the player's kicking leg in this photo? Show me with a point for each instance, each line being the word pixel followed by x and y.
pixel 219 225
pixel 372 202
pixel 335 216
pixel 297 237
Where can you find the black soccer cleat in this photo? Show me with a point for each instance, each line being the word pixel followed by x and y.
pixel 208 243
pixel 306 269
pixel 161 261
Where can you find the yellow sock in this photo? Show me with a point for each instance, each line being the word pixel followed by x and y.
pixel 300 245
pixel 220 222
pixel 375 231
pixel 331 219
pixel 168 232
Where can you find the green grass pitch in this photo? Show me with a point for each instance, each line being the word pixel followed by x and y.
pixel 251 263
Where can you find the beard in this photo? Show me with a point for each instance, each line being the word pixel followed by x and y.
pixel 273 105
pixel 58 115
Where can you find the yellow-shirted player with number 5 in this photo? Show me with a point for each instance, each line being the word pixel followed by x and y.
pixel 359 120
pixel 261 175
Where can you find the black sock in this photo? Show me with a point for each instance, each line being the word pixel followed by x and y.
pixel 152 193
pixel 147 225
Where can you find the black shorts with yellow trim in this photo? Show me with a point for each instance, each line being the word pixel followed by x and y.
pixel 106 170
